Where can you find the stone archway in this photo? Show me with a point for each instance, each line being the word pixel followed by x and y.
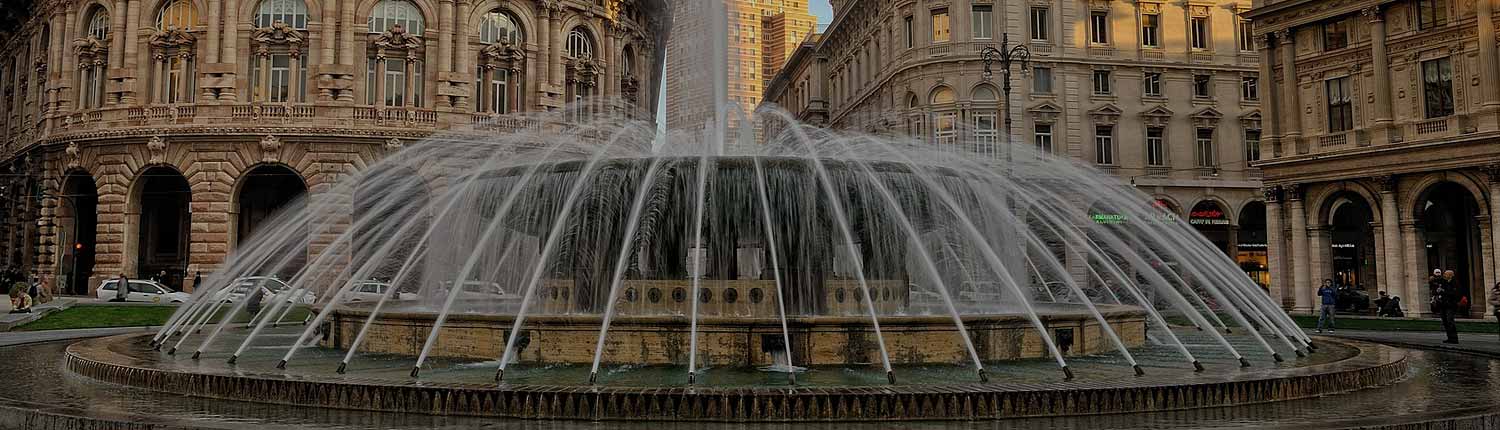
pixel 264 192
pixel 77 220
pixel 162 224
pixel 1451 236
pixel 1350 242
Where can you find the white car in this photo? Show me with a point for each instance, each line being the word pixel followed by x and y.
pixel 268 287
pixel 141 290
pixel 476 290
pixel 371 291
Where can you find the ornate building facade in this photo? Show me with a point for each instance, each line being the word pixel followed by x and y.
pixel 1164 94
pixel 149 136
pixel 1383 152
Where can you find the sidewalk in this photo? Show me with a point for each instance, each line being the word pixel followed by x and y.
pixel 20 337
pixel 1471 343
pixel 9 320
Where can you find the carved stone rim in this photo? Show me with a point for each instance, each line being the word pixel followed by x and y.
pixel 1374 365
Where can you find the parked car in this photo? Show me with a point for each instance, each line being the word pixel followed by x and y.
pixel 268 286
pixel 475 290
pixel 141 290
pixel 372 291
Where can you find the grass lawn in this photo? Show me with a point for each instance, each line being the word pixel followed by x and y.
pixel 100 316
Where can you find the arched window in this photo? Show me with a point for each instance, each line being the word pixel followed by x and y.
pixel 580 45
pixel 942 95
pixel 501 68
pixel 393 74
pixel 627 61
pixel 99 24
pixel 390 13
pixel 499 26
pixel 177 14
pixel 93 59
pixel 582 74
pixel 985 93
pixel 290 12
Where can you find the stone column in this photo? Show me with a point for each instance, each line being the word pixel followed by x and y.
pixel 445 36
pixel 1320 243
pixel 185 81
pixel 294 86
pixel 1415 298
pixel 346 33
pixel 379 81
pixel 461 40
pixel 231 32
pixel 409 98
pixel 1488 71
pixel 544 48
pixel 1382 67
pixel 1494 217
pixel 1390 227
pixel 211 54
pixel 69 71
pixel 1301 286
pixel 1276 247
pixel 1291 113
pixel 162 68
pixel 117 32
pixel 262 92
pixel 558 42
pixel 328 33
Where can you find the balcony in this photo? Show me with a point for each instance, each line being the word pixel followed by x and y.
pixel 1334 140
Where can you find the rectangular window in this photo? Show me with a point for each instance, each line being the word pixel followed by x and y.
pixel 1199 29
pixel 1152 84
pixel 1335 35
pixel 1156 147
pixel 945 130
pixel 1041 80
pixel 1041 18
pixel 1437 87
pixel 1247 36
pixel 984 22
pixel 1205 147
pixel 1042 138
pixel 1150 30
pixel 986 139
pixel 1340 110
pixel 1104 145
pixel 1249 88
pixel 911 38
pixel 1431 13
pixel 1202 86
pixel 1099 27
pixel 940 30
pixel 1102 83
pixel 1252 145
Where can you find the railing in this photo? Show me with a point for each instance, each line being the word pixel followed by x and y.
pixel 496 122
pixel 1439 125
pixel 382 115
pixel 256 111
pixel 1332 140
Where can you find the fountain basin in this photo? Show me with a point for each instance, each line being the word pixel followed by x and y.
pixel 129 360
pixel 740 341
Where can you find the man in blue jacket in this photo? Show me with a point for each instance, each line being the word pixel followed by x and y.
pixel 1330 302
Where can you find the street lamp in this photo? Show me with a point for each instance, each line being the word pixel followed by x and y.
pixel 1006 55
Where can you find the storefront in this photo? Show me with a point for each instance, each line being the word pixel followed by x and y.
pixel 1212 222
pixel 1251 249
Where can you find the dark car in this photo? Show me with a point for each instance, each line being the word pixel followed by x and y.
pixel 1352 299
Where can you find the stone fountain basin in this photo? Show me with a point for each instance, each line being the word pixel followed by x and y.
pixel 129 360
pixel 739 341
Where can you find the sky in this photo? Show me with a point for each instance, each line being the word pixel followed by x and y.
pixel 823 10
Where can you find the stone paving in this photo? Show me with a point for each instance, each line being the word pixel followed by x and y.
pixel 1473 343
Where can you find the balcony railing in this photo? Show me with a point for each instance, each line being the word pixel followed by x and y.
pixel 1333 140
pixel 1434 126
pixel 409 116
pixel 257 111
pixel 496 122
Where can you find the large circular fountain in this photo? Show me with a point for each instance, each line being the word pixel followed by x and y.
pixel 819 276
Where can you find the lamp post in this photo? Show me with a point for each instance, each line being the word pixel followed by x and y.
pixel 1006 55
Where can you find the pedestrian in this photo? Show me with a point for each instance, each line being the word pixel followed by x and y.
pixel 198 280
pixel 1329 304
pixel 122 287
pixel 1380 302
pixel 20 303
pixel 1434 282
pixel 35 289
pixel 1495 301
pixel 1445 297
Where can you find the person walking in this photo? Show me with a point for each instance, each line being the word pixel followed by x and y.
pixel 1434 282
pixel 1330 302
pixel 122 288
pixel 1445 299
pixel 1495 301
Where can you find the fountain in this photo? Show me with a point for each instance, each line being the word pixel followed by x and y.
pixel 598 271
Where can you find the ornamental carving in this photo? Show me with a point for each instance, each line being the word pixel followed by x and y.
pixel 158 149
pixel 270 149
pixel 397 38
pixel 1251 121
pixel 584 70
pixel 1272 193
pixel 504 55
pixel 1387 183
pixel 89 48
pixel 1157 116
pixel 1292 191
pixel 278 34
pixel 1105 115
pixel 174 38
pixel 74 159
pixel 1045 113
pixel 394 144
pixel 1207 118
pixel 631 87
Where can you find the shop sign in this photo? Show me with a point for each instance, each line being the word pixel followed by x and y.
pixel 1208 217
pixel 1108 218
